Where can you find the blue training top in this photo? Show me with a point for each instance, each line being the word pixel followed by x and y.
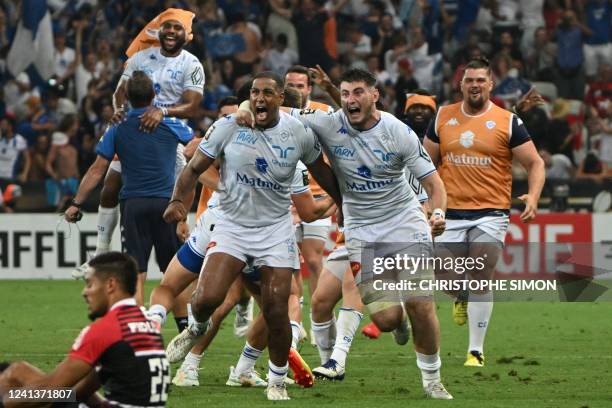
pixel 147 159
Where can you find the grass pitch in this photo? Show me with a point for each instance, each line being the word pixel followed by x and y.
pixel 538 355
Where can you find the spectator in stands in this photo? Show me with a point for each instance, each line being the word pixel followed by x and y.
pixel 398 51
pixel 387 39
pixel 38 154
pixel 570 61
pixel 245 61
pixel 373 65
pixel 405 83
pixel 427 66
pixel 64 57
pixel 360 46
pixel 280 58
pixel 558 166
pixel 541 56
pixel 13 153
pixel 62 163
pixel 532 18
pixel 597 47
pixel 599 96
pixel 433 21
pixel 316 32
pixel 509 47
pixel 592 168
pixel 559 137
pixel 509 86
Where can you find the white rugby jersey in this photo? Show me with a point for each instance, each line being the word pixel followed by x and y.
pixel 171 76
pixel 370 164
pixel 258 168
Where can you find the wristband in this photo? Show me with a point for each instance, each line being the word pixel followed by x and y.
pixel 176 200
pixel 75 204
pixel 164 110
pixel 438 213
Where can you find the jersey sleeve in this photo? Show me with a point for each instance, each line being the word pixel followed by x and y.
pixel 93 341
pixel 300 182
pixel 131 65
pixel 106 145
pixel 216 137
pixel 518 132
pixel 315 119
pixel 311 149
pixel 194 77
pixel 412 151
pixel 183 133
pixel 431 133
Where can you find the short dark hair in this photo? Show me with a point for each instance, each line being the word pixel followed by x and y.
pixel 140 90
pixel 4 365
pixel 244 91
pixel 293 98
pixel 66 123
pixel 479 63
pixel 118 265
pixel 300 69
pixel 421 91
pixel 227 101
pixel 358 75
pixel 280 83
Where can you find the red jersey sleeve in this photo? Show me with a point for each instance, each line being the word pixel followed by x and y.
pixel 95 339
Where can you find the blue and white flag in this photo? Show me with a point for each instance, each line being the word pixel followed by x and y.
pixel 33 42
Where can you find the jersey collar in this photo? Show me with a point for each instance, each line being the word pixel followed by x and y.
pixel 124 302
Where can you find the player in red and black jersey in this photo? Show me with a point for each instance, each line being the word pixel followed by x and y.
pixel 122 351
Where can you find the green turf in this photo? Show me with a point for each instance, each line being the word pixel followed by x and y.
pixel 538 355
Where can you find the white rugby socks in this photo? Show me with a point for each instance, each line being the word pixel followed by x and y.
pixel 276 374
pixel 348 322
pixel 107 221
pixel 324 336
pixel 247 359
pixel 480 308
pixel 295 333
pixel 429 366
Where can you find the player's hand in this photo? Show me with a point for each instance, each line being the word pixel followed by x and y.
pixel 182 230
pixel 175 212
pixel 244 118
pixel 72 214
pixel 150 119
pixel 118 117
pixel 438 225
pixel 530 100
pixel 320 77
pixel 531 207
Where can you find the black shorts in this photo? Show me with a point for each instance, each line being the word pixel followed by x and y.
pixel 143 227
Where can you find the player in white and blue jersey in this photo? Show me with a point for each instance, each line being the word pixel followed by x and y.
pixel 369 151
pixel 254 226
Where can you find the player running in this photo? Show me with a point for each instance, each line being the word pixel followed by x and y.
pixel 254 227
pixel 473 142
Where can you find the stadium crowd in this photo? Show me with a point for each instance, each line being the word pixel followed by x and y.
pixel 49 129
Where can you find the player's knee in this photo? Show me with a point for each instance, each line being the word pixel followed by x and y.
pixel 387 320
pixel 109 197
pixel 319 305
pixel 205 303
pixel 275 311
pixel 314 263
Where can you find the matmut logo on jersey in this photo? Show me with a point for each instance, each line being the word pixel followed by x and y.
pixel 468 160
pixel 256 182
pixel 369 185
